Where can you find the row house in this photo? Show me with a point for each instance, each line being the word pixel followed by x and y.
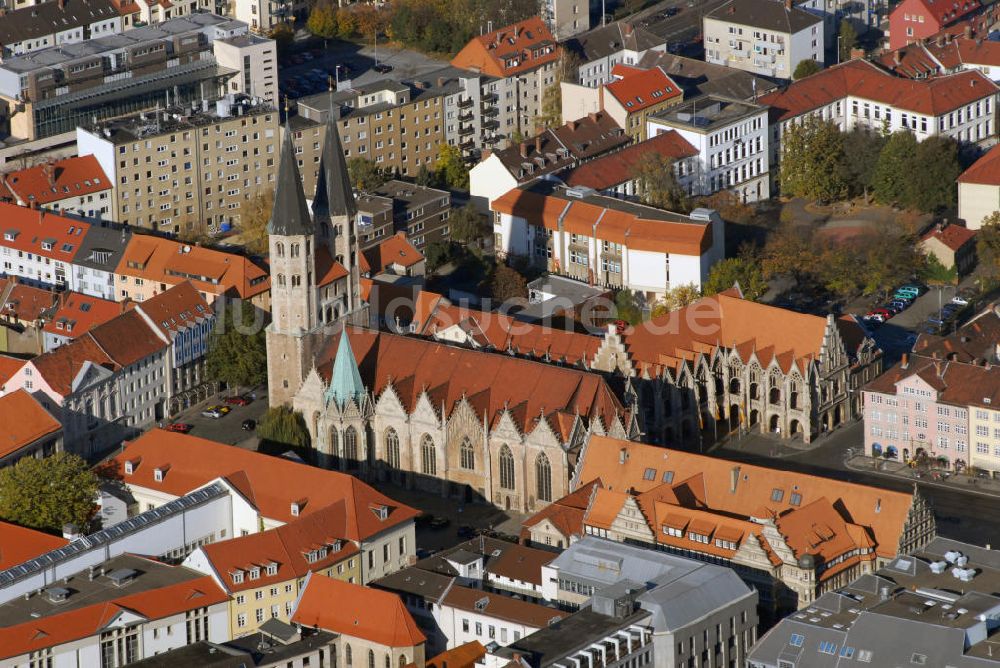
pixel 945 53
pixel 601 49
pixel 606 241
pixel 269 492
pixel 859 94
pixel 31 430
pixel 791 536
pixel 916 20
pixel 75 187
pixel 75 315
pixel 47 24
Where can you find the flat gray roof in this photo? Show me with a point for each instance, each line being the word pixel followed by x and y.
pixel 705 113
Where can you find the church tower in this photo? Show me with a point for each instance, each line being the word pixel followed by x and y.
pixel 294 309
pixel 335 211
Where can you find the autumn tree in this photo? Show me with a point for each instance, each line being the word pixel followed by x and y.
pixel 676 298
pixel 508 284
pixel 628 306
pixel 48 493
pixel 988 244
pixel 789 251
pixel 254 214
pixel 657 184
pixel 451 170
pixel 467 224
pixel 891 180
pixel 810 160
pixel 860 154
pixel 237 353
pixel 745 270
pixel 805 68
pixel 347 24
pixel 365 174
pixel 322 20
pixel 848 40
pixel 283 35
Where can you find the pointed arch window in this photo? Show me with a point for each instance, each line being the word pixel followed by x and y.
pixel 392 447
pixel 428 455
pixel 279 249
pixel 543 477
pixel 334 442
pixel 348 659
pixel 350 444
pixel 371 658
pixel 293 250
pixel 281 280
pixel 467 455
pixel 296 280
pixel 506 468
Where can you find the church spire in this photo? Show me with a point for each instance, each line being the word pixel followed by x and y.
pixel 290 215
pixel 345 379
pixel 334 195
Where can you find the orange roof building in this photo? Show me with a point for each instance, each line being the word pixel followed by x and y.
pixel 634 94
pixel 29 430
pixel 76 314
pixel 954 246
pixel 368 621
pixel 797 534
pixel 395 255
pixel 724 363
pixel 608 241
pixel 19 544
pixel 75 186
pixel 979 189
pixel 463 656
pixel 272 491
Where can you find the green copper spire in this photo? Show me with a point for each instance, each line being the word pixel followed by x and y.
pixel 345 381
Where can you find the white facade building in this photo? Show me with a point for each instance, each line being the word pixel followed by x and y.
pixel 256 60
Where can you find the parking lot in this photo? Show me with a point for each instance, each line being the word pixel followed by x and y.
pixel 227 428
pixel 897 335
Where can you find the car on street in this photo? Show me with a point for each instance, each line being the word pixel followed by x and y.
pixel 438 522
pixel 875 317
pixel 934 320
pixel 215 412
pixel 960 299
pixel 670 11
pixel 249 425
pixel 912 290
pixel 238 400
pixel 886 314
pixel 179 427
pixel 382 68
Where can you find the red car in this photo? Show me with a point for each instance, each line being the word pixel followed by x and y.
pixel 238 401
pixel 179 427
pixel 885 313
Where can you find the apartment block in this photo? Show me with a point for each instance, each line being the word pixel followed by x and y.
pixel 56 23
pixel 766 37
pixel 50 92
pixel 731 138
pixel 566 18
pixel 601 49
pixel 75 187
pixel 187 171
pixel 256 60
pixel 420 212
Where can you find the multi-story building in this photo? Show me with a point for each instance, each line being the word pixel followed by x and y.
pixel 858 94
pixel 56 23
pixel 524 56
pixel 721 617
pixel 766 37
pixel 24 311
pixel 731 139
pixel 928 607
pixel 49 93
pixel 418 211
pixel 75 187
pixel 256 60
pixel 97 258
pixel 31 430
pixel 394 256
pixel 189 172
pixel 549 152
pixel 269 492
pixel 607 241
pixel 566 18
pixel 263 572
pixel 151 265
pixel 619 43
pixel 935 409
pixel 916 20
pixel 759 521
pixel 128 609
pixel 75 315
pixel 635 94
pixel 39 247
pixel 979 190
pixel 944 54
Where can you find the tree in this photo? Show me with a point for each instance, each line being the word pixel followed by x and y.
pixel 933 175
pixel 789 251
pixel 283 35
pixel 860 154
pixel 805 68
pixel 49 492
pixel 437 253
pixel 730 207
pixel 425 177
pixel 237 354
pixel 888 259
pixel 678 297
pixel 254 214
pixel 939 274
pixel 893 171
pixel 848 40
pixel 451 170
pixel 810 160
pixel 281 425
pixel 988 244
pixel 508 283
pixel 467 225
pixel 627 307
pixel 657 182
pixel 322 20
pixel 746 270
pixel 365 174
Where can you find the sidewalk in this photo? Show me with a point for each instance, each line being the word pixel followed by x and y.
pixel 896 469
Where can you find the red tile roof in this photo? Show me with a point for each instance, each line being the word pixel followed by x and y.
pixel 511 50
pixel 61 366
pixel 565 514
pixel 271 484
pixel 463 656
pixel 394 250
pixel 25 303
pixel 19 544
pixel 79 623
pixel 533 392
pixel 860 78
pixel 357 612
pixel 41 232
pixel 616 168
pixel 128 338
pixel 78 313
pixel 25 421
pixel 8 367
pixel 942 12
pixel 176 309
pixel 956 383
pixel 985 171
pixel 499 606
pixel 952 236
pixel 53 181
pixel 638 89
pixel 286 547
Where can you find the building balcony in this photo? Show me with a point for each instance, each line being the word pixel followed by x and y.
pixel 466 130
pixel 491 111
pixel 465 117
pixel 467 144
pixel 465 102
pixel 491 125
pixel 490 98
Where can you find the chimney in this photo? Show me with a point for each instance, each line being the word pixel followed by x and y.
pixel 441 82
pixel 50 173
pixel 734 478
pixel 622 456
pixel 788 5
pixel 897 57
pixel 906 361
pixel 627 29
pixel 592 116
pixel 572 125
pixel 940 40
pixel 967 32
pixel 538 143
pixel 70 530
pixel 62 4
pixel 524 150
pixel 883 593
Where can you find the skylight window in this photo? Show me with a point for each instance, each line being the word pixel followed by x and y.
pixel 777 495
pixel 827 647
pixel 668 477
pixel 796 640
pixel 649 474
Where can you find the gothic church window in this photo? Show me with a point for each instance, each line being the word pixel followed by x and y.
pixel 506 468
pixel 468 455
pixel 543 477
pixel 428 460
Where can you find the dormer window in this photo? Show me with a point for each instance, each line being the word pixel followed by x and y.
pixel 381 511
pixel 272 568
pixel 296 509
pixel 159 473
pixel 255 573
pixel 129 467
pixel 10 235
pixel 237 577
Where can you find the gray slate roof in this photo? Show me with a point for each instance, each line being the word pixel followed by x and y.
pixel 612 38
pixel 49 18
pixel 334 195
pixel 290 215
pixel 766 15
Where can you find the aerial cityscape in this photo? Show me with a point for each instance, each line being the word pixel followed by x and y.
pixel 508 334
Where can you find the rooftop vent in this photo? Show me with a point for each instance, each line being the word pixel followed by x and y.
pixel 122 576
pixel 58 594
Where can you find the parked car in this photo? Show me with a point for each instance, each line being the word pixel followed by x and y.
pixel 899 304
pixel 885 313
pixel 439 522
pixel 934 320
pixel 179 427
pixel 214 412
pixel 893 308
pixel 960 299
pixel 382 68
pixel 875 317
pixel 249 425
pixel 914 290
pixel 238 400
